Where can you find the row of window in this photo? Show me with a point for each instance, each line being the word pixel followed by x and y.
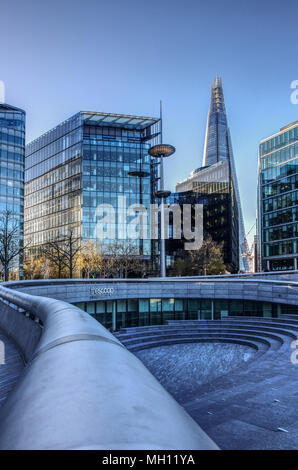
pixel 52 206
pixel 281 248
pixel 282 265
pixel 58 146
pixel 280 217
pixel 280 202
pixel 13 139
pixel 281 140
pixel 122 155
pixel 282 186
pixel 92 168
pixel 53 221
pixel 54 191
pixel 120 185
pixel 61 173
pixel 280 156
pixel 11 190
pixel 142 312
pixel 62 129
pixel 280 233
pixel 93 199
pixel 11 154
pixel 52 162
pixel 287 169
pixel 112 131
pixel 39 238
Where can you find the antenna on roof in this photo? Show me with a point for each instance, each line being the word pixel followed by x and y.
pixel 160 115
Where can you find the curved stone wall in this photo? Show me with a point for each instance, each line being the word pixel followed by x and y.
pixel 277 289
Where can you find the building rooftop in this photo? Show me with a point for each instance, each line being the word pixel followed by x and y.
pixel 8 107
pixel 119 120
pixel 282 129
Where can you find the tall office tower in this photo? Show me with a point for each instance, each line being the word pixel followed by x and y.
pixel 278 200
pixel 12 160
pixel 91 159
pixel 218 148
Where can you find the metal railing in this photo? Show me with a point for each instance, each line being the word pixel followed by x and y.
pixel 82 389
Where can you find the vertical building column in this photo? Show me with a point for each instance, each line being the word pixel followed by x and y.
pixel 114 323
pixel 268 264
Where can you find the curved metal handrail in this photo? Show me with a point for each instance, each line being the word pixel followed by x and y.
pixel 82 389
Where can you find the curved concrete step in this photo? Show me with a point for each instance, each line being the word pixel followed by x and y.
pixel 271 341
pixel 187 329
pixel 260 347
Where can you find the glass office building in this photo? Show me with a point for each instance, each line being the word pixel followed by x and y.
pixel 213 187
pixel 278 200
pixel 89 160
pixel 218 148
pixel 12 161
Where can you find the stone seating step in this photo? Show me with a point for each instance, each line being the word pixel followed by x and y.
pixel 261 347
pixel 201 328
pixel 270 340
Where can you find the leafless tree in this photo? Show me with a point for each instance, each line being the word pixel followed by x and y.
pixel 54 252
pixel 70 246
pixel 125 258
pixel 63 252
pixel 11 242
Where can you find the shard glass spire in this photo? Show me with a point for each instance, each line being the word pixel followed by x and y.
pixel 218 148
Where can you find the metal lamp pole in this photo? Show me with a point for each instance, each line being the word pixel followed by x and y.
pixel 161 151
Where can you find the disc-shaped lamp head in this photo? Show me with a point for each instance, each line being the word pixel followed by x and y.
pixel 161 150
pixel 162 193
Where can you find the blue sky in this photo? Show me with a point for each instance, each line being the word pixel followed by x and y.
pixel 119 56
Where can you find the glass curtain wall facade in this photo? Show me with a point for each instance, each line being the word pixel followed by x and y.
pixel 125 313
pixel 278 200
pixel 213 187
pixel 12 161
pixel 217 222
pixel 89 160
pixel 53 185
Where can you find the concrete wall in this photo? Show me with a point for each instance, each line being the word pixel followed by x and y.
pixel 254 288
pixel 25 333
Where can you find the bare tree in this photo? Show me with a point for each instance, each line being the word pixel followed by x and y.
pixel 54 252
pixel 11 242
pixel 125 258
pixel 34 268
pixel 90 258
pixel 70 246
pixel 63 252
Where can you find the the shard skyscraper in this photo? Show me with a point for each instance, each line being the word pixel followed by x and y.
pixel 218 149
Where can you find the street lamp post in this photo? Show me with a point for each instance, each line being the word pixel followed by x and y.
pixel 161 151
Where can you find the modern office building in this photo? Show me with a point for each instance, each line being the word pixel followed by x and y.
pixel 278 200
pixel 213 188
pixel 12 161
pixel 215 183
pixel 219 221
pixel 90 159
